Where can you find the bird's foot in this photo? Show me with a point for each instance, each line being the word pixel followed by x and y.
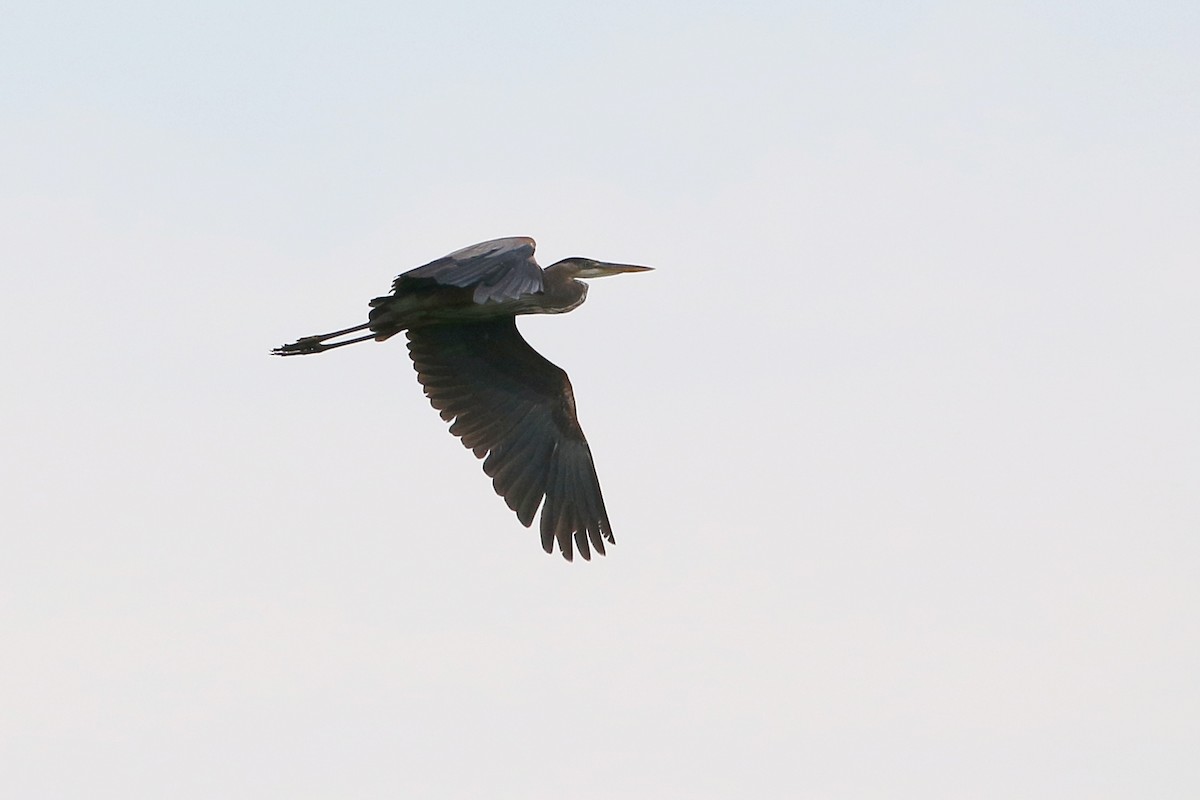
pixel 300 347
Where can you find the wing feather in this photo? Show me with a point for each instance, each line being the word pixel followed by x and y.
pixel 516 410
pixel 497 270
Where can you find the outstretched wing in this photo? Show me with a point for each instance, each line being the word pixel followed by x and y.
pixel 502 269
pixel 516 410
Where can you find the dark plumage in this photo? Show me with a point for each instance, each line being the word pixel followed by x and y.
pixel 508 404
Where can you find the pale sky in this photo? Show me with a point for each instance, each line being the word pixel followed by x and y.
pixel 899 442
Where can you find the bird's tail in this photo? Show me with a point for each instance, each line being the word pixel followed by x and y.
pixel 319 344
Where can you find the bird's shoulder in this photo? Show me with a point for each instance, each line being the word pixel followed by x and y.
pixel 497 270
pixel 504 247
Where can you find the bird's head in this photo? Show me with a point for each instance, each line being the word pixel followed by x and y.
pixel 577 267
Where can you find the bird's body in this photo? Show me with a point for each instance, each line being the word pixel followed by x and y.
pixel 426 295
pixel 508 404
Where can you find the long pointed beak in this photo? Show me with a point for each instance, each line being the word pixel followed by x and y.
pixel 601 269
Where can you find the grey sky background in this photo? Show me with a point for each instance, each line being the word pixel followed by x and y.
pixel 899 442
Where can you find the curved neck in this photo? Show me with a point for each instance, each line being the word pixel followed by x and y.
pixel 560 292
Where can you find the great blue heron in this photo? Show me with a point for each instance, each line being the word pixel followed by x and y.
pixel 508 404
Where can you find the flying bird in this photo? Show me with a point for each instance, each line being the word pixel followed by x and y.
pixel 508 404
